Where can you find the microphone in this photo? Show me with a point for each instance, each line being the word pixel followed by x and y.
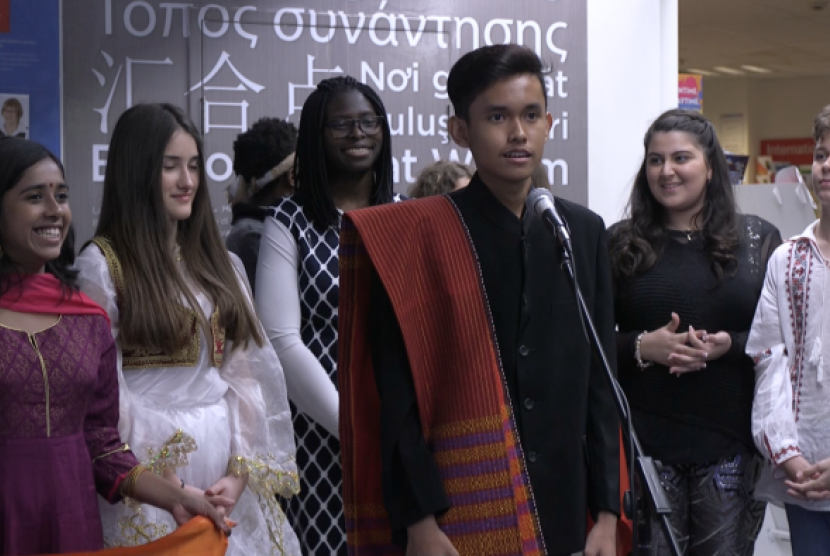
pixel 540 202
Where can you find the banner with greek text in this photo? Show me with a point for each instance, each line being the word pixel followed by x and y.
pixel 230 63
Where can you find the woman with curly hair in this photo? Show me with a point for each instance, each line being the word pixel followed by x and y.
pixel 439 178
pixel 688 271
pixel 344 162
pixel 263 160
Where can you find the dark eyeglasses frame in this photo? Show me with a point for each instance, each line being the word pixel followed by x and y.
pixel 342 134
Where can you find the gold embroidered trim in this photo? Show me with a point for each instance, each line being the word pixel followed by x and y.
pixel 33 341
pixel 135 531
pixel 173 453
pixel 265 475
pixel 123 448
pixel 266 481
pixel 113 264
pixel 188 356
pixel 134 357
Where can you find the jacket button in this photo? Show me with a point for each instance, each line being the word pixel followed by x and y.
pixel 531 457
pixel 523 351
pixel 528 403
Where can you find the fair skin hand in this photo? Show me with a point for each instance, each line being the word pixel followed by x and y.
pixel 715 345
pixel 427 539
pixel 665 346
pixel 602 540
pixel 182 505
pixel 230 487
pixel 796 468
pixel 811 482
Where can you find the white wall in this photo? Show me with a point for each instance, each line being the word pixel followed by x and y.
pixel 773 108
pixel 632 78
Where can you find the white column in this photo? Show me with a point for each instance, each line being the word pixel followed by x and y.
pixel 632 78
pixel 669 53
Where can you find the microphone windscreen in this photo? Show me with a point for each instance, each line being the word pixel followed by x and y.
pixel 538 200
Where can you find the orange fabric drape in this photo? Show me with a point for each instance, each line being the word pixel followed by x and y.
pixel 625 534
pixel 197 537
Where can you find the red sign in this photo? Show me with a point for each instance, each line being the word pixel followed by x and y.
pixel 797 151
pixel 5 16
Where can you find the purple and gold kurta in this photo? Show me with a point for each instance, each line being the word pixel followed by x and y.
pixel 59 442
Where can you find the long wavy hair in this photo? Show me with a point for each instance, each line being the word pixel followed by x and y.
pixel 16 156
pixel 310 168
pixel 638 243
pixel 134 219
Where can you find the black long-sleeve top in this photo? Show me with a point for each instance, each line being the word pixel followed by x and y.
pixel 561 401
pixel 702 415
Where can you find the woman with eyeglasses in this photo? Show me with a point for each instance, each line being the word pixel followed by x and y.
pixel 343 162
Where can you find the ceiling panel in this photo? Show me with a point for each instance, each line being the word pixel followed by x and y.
pixel 789 37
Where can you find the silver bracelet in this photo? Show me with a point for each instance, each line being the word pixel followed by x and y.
pixel 638 354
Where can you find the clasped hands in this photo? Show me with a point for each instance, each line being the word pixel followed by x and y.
pixel 223 496
pixel 806 481
pixel 685 351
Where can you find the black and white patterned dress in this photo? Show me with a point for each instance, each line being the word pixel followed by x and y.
pixel 316 514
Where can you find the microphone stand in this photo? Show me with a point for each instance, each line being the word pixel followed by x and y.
pixel 657 503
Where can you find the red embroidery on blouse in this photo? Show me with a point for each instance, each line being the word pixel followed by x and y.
pixel 800 268
pixel 776 456
pixel 762 356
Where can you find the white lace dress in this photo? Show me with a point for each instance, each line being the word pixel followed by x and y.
pixel 227 412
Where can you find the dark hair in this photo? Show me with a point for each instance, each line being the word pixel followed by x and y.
pixel 821 124
pixel 310 167
pixel 476 71
pixel 135 221
pixel 261 148
pixel 439 178
pixel 637 243
pixel 16 156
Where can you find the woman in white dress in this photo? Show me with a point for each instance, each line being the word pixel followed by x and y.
pixel 202 394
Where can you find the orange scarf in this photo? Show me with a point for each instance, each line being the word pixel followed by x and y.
pixel 197 537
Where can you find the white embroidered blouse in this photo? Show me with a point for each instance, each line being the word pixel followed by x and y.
pixel 789 344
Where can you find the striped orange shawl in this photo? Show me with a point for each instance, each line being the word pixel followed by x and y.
pixel 424 257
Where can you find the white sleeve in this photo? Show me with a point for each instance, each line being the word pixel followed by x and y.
pixel 773 424
pixel 95 281
pixel 278 306
pixel 262 435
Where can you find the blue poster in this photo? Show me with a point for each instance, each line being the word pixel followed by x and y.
pixel 30 91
